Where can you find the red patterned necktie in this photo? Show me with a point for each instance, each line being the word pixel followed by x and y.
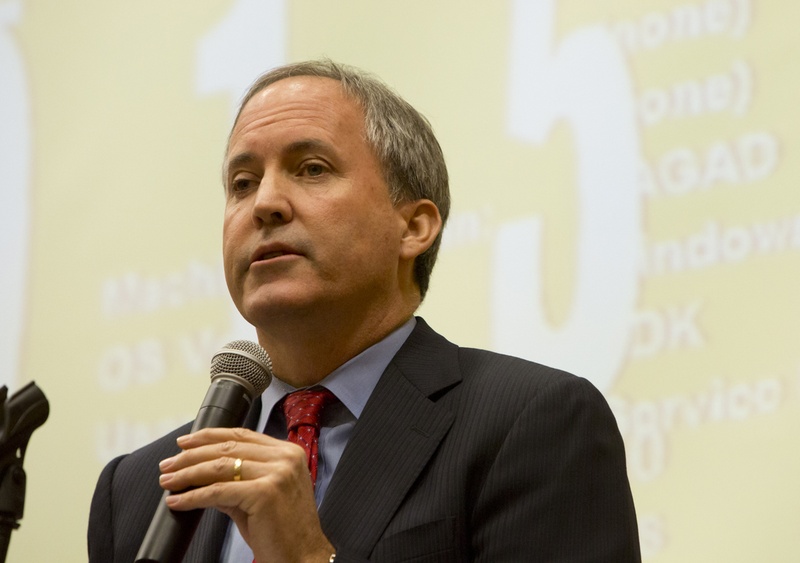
pixel 303 410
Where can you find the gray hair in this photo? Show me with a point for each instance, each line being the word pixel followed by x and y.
pixel 402 139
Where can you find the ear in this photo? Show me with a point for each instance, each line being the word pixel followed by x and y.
pixel 422 223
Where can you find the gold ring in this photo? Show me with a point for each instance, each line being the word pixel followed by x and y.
pixel 237 469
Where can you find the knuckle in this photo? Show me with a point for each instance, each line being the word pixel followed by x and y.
pixel 297 454
pixel 214 489
pixel 282 474
pixel 241 433
pixel 228 446
pixel 294 463
pixel 210 491
pixel 222 463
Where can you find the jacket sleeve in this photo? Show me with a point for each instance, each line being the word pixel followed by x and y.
pixel 558 488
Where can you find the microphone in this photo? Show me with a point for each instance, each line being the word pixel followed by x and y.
pixel 239 374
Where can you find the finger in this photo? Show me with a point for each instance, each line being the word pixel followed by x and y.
pixel 208 436
pixel 219 470
pixel 207 465
pixel 263 449
pixel 202 454
pixel 261 483
pixel 216 495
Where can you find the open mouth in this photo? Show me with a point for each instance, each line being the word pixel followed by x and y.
pixel 272 252
pixel 270 255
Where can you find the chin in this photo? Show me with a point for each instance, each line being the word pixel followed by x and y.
pixel 261 312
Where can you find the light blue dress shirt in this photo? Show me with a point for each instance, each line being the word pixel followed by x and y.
pixel 353 383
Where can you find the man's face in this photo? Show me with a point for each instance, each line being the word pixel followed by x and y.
pixel 309 225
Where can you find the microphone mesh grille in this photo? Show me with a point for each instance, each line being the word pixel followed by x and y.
pixel 245 359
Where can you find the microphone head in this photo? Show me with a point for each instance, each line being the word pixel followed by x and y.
pixel 246 361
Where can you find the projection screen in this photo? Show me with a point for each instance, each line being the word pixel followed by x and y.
pixel 625 206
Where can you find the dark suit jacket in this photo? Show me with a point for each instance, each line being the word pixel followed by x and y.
pixel 459 455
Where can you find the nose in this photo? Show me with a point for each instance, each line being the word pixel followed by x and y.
pixel 272 205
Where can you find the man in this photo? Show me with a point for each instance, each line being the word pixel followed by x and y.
pixel 336 194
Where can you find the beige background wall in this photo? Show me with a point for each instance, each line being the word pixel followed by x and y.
pixel 625 183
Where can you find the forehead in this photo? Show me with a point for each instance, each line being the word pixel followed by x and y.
pixel 297 102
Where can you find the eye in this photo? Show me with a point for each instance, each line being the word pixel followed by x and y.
pixel 242 184
pixel 313 169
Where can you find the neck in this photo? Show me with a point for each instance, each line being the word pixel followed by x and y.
pixel 304 351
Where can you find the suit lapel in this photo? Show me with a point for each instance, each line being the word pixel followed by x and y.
pixel 207 541
pixel 398 432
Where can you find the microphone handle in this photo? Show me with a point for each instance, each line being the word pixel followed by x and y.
pixel 226 405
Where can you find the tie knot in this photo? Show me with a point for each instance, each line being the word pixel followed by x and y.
pixel 305 407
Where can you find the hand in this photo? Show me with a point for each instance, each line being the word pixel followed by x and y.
pixel 272 505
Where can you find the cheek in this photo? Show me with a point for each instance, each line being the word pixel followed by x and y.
pixel 234 226
pixel 231 279
pixel 227 246
pixel 375 239
pixel 230 220
pixel 231 243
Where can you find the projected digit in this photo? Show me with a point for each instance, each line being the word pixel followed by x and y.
pixel 584 82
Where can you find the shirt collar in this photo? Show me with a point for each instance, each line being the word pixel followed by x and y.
pixel 353 381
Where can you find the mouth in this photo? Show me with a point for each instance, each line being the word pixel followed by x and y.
pixel 271 252
pixel 270 255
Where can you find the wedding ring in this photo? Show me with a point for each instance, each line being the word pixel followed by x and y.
pixel 237 469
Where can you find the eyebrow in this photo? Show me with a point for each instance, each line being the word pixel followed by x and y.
pixel 305 145
pixel 240 159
